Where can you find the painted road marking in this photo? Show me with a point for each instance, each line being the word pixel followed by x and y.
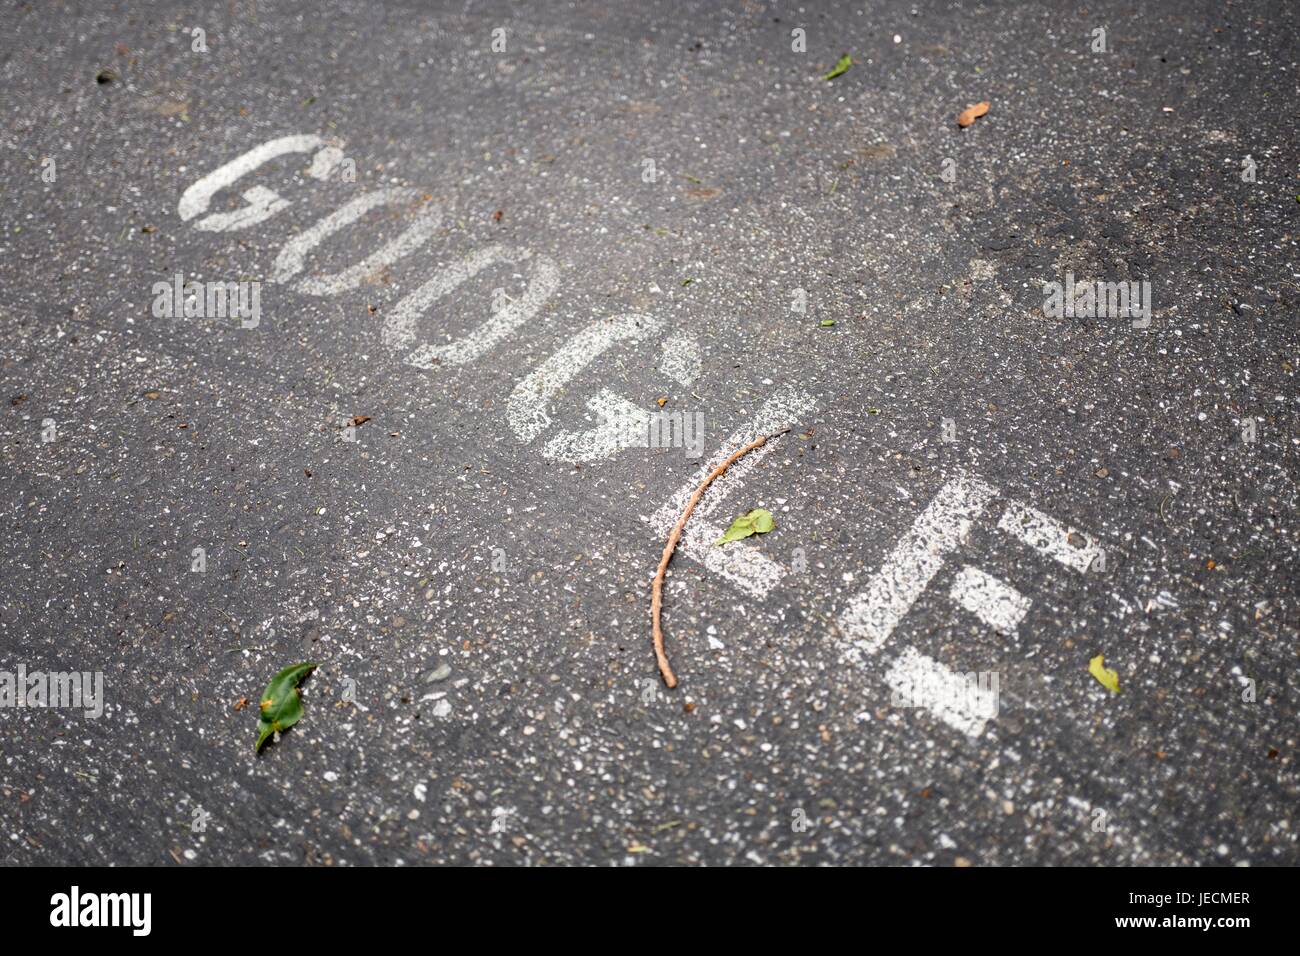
pixel 610 435
pixel 992 600
pixel 743 565
pixel 400 328
pixel 682 360
pixel 1049 537
pixel 873 613
pixel 960 702
pixel 870 617
pixel 325 162
pixel 263 203
pixel 291 258
pixel 621 423
pixel 526 409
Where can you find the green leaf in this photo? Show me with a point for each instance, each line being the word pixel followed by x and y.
pixel 742 527
pixel 842 66
pixel 281 704
pixel 758 521
pixel 827 323
pixel 1108 678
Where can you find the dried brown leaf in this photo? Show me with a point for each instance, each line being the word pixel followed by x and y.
pixel 972 113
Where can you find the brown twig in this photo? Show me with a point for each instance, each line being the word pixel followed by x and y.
pixel 657 590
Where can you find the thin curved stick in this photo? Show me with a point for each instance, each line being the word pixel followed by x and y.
pixel 657 590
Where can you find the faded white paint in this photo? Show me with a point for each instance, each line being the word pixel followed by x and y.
pixel 527 408
pixel 325 162
pixel 741 564
pixel 1049 537
pixel 783 408
pixel 874 612
pixel 263 203
pixel 872 615
pixel 292 257
pixel 400 329
pixel 681 359
pixel 954 698
pixel 621 423
pixel 615 429
pixel 992 600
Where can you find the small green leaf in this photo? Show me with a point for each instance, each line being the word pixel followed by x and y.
pixel 281 704
pixel 687 281
pixel 1108 678
pixel 844 63
pixel 758 521
pixel 827 323
pixel 742 527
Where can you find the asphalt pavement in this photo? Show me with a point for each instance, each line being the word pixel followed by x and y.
pixel 466 251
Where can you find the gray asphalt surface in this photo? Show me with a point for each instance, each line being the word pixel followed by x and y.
pixel 480 611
